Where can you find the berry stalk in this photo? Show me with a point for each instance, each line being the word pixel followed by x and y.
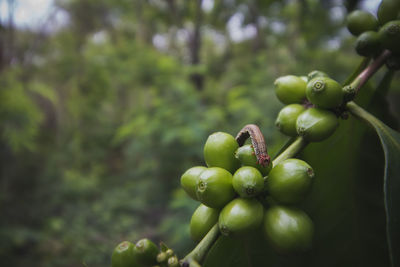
pixel 360 113
pixel 291 150
pixel 199 252
pixel 367 73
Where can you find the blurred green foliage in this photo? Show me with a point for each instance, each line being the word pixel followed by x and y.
pixel 99 118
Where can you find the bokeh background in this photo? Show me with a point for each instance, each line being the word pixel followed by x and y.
pixel 105 103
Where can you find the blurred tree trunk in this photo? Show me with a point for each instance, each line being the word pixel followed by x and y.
pixel 176 19
pixel 10 39
pixel 7 37
pixel 2 47
pixel 195 45
pixel 300 14
pixel 258 41
pixel 143 32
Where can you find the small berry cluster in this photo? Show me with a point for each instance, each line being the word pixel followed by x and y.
pixel 143 254
pixel 311 101
pixel 376 34
pixel 254 198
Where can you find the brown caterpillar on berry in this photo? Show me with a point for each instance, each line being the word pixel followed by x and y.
pixel 258 142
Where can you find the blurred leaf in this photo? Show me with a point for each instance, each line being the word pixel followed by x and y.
pixel 20 117
pixel 44 91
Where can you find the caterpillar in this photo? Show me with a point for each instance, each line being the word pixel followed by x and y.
pixel 257 140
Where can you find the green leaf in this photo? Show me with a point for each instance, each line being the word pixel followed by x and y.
pixel 390 141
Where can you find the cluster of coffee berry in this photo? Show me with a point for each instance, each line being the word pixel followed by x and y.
pixel 143 254
pixel 256 197
pixel 376 34
pixel 311 102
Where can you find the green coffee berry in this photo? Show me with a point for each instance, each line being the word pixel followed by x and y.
pixel 214 188
pixel 304 78
pixel 390 36
pixel 248 181
pixel 189 180
pixel 290 89
pixel 146 252
pixel 368 44
pixel 123 256
pixel 169 252
pixel 246 155
pixel 289 181
pixel 288 229
pixel 316 73
pixel 388 10
pixel 286 120
pixel 203 219
pixel 360 21
pixel 316 124
pixel 324 92
pixel 219 151
pixel 240 216
pixel 173 262
pixel 162 257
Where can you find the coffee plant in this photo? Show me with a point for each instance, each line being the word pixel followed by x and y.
pixel 246 199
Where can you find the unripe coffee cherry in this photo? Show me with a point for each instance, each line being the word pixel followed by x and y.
pixel 248 182
pixel 240 216
pixel 123 256
pixel 214 188
pixel 324 92
pixel 203 219
pixel 169 252
pixel 316 73
pixel 316 124
pixel 219 151
pixel 286 120
pixel 388 10
pixel 368 44
pixel 390 36
pixel 189 180
pixel 289 181
pixel 360 21
pixel 162 257
pixel 246 155
pixel 173 262
pixel 290 89
pixel 146 252
pixel 288 229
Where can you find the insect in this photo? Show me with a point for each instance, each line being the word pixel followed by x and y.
pixel 258 142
